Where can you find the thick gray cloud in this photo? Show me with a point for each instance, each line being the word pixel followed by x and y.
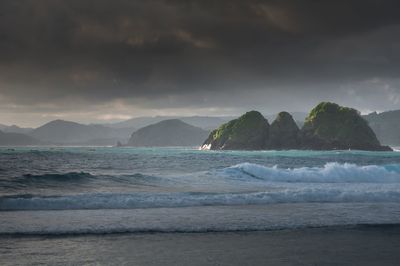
pixel 78 59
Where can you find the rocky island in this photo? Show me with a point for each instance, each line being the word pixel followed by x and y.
pixel 284 133
pixel 248 132
pixel 327 127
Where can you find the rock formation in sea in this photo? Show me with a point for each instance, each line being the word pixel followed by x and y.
pixel 248 132
pixel 327 127
pixel 330 126
pixel 283 133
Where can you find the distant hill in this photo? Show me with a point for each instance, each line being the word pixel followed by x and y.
pixel 172 132
pixel 15 129
pixel 16 139
pixel 205 122
pixel 386 126
pixel 71 133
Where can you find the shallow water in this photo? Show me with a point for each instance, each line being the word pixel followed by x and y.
pixel 360 245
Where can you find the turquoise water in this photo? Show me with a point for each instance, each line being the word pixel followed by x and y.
pixel 83 189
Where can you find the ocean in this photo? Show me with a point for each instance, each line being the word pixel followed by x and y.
pixel 86 191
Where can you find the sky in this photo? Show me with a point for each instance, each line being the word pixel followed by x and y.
pixel 98 61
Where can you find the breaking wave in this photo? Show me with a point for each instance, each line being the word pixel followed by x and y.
pixel 59 177
pixel 329 173
pixel 157 200
pixel 334 182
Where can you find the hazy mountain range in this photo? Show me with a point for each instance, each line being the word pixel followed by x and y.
pixel 66 132
pixel 386 125
pixel 17 139
pixel 61 132
pixel 15 129
pixel 204 122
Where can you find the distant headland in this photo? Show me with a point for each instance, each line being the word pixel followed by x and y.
pixel 327 127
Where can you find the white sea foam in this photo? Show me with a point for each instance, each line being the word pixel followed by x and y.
pixel 329 173
pixel 156 200
pixel 331 183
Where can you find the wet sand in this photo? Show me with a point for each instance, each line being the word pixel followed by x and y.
pixel 358 245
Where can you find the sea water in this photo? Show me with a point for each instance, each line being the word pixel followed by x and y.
pixel 79 190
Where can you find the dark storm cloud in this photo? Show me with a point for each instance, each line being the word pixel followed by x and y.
pixel 98 51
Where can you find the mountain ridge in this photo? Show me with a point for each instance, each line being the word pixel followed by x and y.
pixel 69 133
pixel 386 126
pixel 17 139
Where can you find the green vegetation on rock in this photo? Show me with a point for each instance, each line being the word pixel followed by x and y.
pixel 283 133
pixel 327 127
pixel 330 126
pixel 249 131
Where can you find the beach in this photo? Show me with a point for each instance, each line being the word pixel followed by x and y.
pixel 351 245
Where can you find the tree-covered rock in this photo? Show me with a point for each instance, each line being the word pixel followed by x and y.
pixel 327 127
pixel 283 133
pixel 248 132
pixel 330 126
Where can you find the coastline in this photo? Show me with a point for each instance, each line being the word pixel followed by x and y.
pixel 337 245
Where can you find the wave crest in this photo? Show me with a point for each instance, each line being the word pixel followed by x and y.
pixel 158 200
pixel 59 177
pixel 329 173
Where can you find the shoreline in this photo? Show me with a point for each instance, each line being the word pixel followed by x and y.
pixel 349 245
